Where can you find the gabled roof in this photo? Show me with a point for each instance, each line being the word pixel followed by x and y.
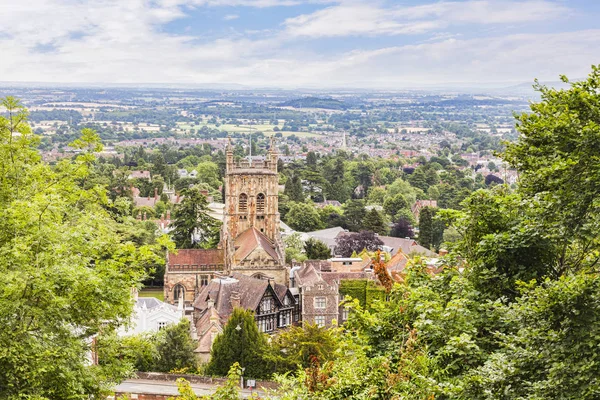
pixel 397 262
pixel 250 240
pixel 250 291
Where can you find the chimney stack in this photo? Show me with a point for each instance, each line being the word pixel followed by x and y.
pixel 155 193
pixel 235 300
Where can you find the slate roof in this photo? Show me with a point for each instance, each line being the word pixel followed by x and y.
pixel 249 240
pixel 407 246
pixel 250 290
pixel 151 302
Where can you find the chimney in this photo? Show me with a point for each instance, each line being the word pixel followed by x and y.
pixel 155 193
pixel 235 299
pixel 145 216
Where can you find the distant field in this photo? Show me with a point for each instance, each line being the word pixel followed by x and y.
pixel 265 128
pixel 152 292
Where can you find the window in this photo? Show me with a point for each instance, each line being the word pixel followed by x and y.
pixel 320 302
pixel 284 319
pixel 286 301
pixel 178 292
pixel 345 313
pixel 260 203
pixel 204 280
pixel 347 263
pixel 243 203
pixel 162 325
pixel 266 305
pixel 320 287
pixel 320 320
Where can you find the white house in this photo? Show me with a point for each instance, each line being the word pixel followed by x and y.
pixel 151 315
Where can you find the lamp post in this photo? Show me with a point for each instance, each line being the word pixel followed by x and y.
pixel 239 329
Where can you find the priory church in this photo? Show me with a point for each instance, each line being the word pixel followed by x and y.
pixel 247 269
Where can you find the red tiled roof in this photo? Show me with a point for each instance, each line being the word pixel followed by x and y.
pixel 196 257
pixel 251 239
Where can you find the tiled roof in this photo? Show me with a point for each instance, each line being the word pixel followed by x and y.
pixel 250 291
pixel 196 257
pixel 397 262
pixel 251 239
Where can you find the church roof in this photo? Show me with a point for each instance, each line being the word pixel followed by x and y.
pixel 196 257
pixel 251 239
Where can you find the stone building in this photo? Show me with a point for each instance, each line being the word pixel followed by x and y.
pixel 274 306
pixel 250 241
pixel 251 234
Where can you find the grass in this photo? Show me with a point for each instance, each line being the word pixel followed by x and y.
pixel 152 292
pixel 265 128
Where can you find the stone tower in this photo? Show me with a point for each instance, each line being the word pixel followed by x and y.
pixel 250 232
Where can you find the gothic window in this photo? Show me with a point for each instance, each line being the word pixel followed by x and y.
pixel 243 203
pixel 178 291
pixel 161 325
pixel 204 280
pixel 260 203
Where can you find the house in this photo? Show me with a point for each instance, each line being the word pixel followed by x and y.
pixel 418 206
pixel 319 297
pixel 140 175
pixel 274 306
pixel 152 315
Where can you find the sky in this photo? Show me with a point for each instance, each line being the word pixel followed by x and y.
pixel 343 44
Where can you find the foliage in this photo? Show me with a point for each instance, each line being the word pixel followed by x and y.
pixel 246 346
pixel 363 290
pixel 303 217
pixel 373 221
pixel 298 346
pixel 172 348
pixel 65 268
pixel 229 391
pixel 348 243
pixel 316 250
pixel 192 226
pixel 175 347
pixel 294 248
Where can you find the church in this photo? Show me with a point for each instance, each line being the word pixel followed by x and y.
pixel 248 266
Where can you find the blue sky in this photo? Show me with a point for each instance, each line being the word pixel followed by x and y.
pixel 298 43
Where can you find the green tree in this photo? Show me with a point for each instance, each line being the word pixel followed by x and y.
pixel 316 250
pixel 65 270
pixel 303 217
pixel 192 226
pixel 246 346
pixel 354 212
pixel 298 346
pixel 393 204
pixel 293 189
pixel 373 221
pixel 176 348
pixel 294 248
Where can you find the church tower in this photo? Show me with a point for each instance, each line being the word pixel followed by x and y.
pixel 250 232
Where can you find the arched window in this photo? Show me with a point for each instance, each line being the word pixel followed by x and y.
pixel 260 203
pixel 178 291
pixel 243 203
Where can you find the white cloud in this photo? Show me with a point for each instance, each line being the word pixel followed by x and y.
pixel 370 18
pixel 230 17
pixel 113 41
